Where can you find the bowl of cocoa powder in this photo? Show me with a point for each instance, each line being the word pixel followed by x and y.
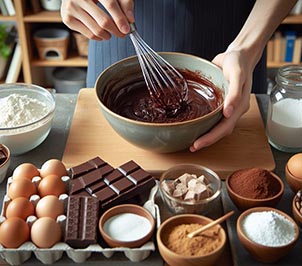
pixel 137 117
pixel 254 187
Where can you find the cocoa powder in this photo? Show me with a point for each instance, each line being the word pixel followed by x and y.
pixel 255 183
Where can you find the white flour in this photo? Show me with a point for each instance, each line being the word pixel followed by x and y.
pixel 268 228
pixel 17 110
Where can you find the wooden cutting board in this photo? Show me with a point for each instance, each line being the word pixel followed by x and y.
pixel 90 135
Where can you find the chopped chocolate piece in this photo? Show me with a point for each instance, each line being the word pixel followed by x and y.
pixel 122 185
pixel 112 177
pixel 82 221
pixel 129 167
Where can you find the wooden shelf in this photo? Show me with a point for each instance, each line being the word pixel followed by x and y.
pixel 72 61
pixel 43 16
pixel 294 19
pixel 279 64
pixel 7 18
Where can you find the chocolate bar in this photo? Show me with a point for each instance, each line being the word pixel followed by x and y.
pixel 82 221
pixel 112 186
pixel 86 167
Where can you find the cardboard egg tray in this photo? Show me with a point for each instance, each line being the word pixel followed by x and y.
pixel 17 256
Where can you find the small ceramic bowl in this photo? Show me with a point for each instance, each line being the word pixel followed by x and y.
pixel 294 182
pixel 263 253
pixel 126 225
pixel 157 137
pixel 297 208
pixel 172 258
pixel 244 203
pixel 5 152
pixel 180 206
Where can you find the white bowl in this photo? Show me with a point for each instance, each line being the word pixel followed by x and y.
pixel 23 138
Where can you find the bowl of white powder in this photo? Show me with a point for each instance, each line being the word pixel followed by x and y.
pixel 26 114
pixel 268 234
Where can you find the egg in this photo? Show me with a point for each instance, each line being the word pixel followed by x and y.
pixel 14 232
pixel 53 167
pixel 45 232
pixel 49 206
pixel 51 185
pixel 25 170
pixel 20 207
pixel 21 188
pixel 294 165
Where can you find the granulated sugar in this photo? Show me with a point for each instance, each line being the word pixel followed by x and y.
pixel 268 228
pixel 17 110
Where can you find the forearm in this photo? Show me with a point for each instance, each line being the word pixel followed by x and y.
pixel 263 20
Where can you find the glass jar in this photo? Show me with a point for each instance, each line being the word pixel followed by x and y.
pixel 284 117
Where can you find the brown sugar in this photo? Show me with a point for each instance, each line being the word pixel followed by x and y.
pixel 202 244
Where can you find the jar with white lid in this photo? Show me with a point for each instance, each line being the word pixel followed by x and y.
pixel 284 117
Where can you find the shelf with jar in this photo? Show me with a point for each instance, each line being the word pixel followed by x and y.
pixel 285 46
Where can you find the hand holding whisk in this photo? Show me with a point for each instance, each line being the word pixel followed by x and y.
pixel 166 85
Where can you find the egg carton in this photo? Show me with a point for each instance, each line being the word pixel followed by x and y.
pixel 17 256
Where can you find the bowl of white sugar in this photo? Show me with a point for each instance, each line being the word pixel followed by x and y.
pixel 126 225
pixel 26 115
pixel 268 234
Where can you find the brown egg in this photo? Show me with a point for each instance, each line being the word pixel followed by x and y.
pixel 14 232
pixel 50 206
pixel 25 170
pixel 21 188
pixel 53 167
pixel 294 165
pixel 45 232
pixel 20 207
pixel 51 185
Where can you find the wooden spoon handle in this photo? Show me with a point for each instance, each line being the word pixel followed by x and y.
pixel 211 224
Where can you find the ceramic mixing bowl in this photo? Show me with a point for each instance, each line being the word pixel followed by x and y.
pixel 24 137
pixel 158 137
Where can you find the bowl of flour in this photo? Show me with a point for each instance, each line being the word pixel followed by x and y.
pixel 26 114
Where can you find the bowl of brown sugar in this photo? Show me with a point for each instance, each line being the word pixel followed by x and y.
pixel 254 187
pixel 177 249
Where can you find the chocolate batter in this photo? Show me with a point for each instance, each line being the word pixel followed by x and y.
pixel 135 102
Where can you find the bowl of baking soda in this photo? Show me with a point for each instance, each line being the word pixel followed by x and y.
pixel 26 114
pixel 254 187
pixel 136 115
pixel 268 234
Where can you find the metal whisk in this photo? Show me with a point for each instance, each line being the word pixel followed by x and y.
pixel 166 85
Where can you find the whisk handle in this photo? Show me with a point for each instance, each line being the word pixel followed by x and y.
pixel 132 27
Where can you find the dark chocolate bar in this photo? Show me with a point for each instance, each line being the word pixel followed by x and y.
pixel 86 167
pixel 82 221
pixel 113 186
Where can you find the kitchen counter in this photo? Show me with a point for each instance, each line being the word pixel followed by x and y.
pixel 53 147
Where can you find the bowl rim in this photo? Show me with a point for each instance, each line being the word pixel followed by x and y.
pixel 197 119
pixel 126 208
pixel 256 200
pixel 29 87
pixel 180 217
pixel 192 203
pixel 7 150
pixel 263 209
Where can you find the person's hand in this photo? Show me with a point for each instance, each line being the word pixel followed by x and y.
pixel 87 18
pixel 238 71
